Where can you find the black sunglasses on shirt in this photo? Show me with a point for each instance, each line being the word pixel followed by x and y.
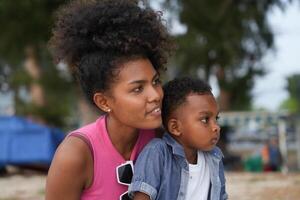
pixel 124 176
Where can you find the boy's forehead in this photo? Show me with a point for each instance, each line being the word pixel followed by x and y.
pixel 193 98
pixel 197 102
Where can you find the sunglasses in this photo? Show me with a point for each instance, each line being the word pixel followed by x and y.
pixel 124 176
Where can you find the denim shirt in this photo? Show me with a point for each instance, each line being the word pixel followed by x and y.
pixel 162 171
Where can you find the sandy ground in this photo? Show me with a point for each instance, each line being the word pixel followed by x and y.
pixel 240 186
pixel 262 186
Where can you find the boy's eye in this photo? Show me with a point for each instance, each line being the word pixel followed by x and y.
pixel 205 120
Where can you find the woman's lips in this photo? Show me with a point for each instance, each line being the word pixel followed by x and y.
pixel 155 112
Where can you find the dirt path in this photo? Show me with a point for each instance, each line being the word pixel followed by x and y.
pixel 258 186
pixel 240 186
pixel 20 187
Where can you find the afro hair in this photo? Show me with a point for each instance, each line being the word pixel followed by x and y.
pixel 94 37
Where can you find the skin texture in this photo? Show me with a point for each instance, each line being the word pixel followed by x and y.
pixel 114 49
pixel 141 196
pixel 132 100
pixel 134 94
pixel 194 125
pixel 197 127
pixel 138 91
pixel 91 36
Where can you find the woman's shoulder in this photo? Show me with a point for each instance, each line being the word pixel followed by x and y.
pixel 90 127
pixel 73 153
pixel 89 132
pixel 73 149
pixel 72 158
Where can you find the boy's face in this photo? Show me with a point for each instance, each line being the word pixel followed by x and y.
pixel 197 122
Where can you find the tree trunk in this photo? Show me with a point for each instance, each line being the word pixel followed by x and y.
pixel 34 70
pixel 224 100
pixel 225 96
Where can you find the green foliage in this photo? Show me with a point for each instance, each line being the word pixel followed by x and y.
pixel 227 39
pixel 28 23
pixel 293 86
pixel 292 104
pixel 23 23
pixel 59 95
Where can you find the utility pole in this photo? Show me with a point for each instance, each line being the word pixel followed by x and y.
pixel 283 144
pixel 298 141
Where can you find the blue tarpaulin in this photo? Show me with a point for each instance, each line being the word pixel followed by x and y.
pixel 23 142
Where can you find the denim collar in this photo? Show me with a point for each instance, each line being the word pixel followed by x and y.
pixel 177 148
pixel 217 153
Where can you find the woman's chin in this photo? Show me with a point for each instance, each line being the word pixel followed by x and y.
pixel 153 124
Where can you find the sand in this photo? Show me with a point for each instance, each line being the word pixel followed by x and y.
pixel 240 186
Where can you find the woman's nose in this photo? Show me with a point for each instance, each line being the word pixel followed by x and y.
pixel 155 94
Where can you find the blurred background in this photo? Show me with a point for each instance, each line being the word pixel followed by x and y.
pixel 247 50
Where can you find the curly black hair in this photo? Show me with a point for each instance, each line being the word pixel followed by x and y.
pixel 176 92
pixel 95 37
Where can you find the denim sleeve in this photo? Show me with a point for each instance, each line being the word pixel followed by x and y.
pixel 223 195
pixel 148 169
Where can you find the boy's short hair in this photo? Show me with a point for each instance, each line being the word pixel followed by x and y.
pixel 176 91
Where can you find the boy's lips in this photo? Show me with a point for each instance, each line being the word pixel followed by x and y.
pixel 215 140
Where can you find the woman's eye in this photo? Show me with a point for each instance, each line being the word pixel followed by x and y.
pixel 138 89
pixel 156 82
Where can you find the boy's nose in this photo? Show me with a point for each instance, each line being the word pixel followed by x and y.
pixel 216 128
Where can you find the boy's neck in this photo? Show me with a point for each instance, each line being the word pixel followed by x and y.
pixel 191 155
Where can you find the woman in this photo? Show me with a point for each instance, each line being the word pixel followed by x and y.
pixel 115 49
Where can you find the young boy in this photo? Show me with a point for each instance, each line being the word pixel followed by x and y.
pixel 185 163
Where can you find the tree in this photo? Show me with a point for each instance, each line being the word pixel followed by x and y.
pixel 4 72
pixel 293 88
pixel 227 39
pixel 25 30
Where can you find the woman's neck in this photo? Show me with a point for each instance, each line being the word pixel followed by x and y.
pixel 122 137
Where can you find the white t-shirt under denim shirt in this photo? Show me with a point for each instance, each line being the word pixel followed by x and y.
pixel 162 172
pixel 199 179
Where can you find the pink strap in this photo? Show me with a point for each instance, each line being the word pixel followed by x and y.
pixel 85 139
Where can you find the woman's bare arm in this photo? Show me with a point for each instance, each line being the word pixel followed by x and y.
pixel 70 171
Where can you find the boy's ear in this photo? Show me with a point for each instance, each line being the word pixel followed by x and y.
pixel 174 127
pixel 101 101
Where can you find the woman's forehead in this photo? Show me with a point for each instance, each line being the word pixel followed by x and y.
pixel 136 70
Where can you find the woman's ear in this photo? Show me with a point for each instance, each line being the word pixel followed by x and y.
pixel 101 102
pixel 174 127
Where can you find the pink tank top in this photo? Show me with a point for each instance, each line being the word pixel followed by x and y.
pixel 106 159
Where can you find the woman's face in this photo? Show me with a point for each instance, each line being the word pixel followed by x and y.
pixel 136 96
